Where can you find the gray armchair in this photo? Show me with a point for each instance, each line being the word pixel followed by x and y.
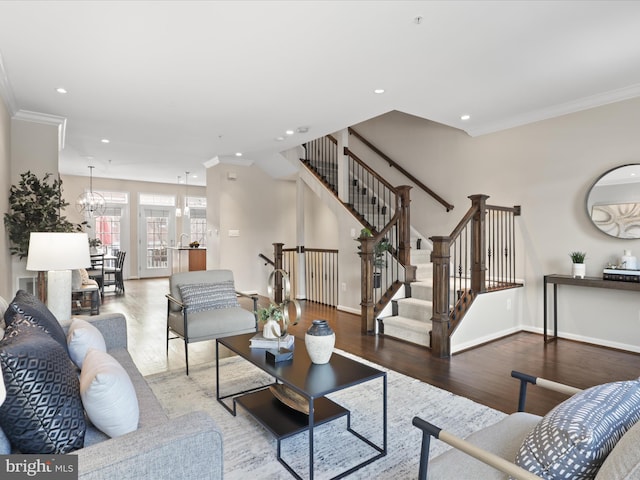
pixel 595 431
pixel 203 305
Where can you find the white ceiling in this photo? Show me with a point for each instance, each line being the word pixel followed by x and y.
pixel 174 84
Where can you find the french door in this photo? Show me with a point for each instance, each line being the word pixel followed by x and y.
pixel 157 230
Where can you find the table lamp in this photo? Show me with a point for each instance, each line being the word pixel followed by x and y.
pixel 58 253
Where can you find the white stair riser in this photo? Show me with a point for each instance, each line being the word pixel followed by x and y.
pixel 424 271
pixel 422 312
pixel 422 291
pixel 418 336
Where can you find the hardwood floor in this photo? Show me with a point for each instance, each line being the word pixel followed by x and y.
pixel 482 373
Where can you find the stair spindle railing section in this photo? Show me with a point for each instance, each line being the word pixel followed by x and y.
pixel 321 155
pixel 478 256
pixel 320 272
pixel 383 210
pixel 373 198
pixel 385 263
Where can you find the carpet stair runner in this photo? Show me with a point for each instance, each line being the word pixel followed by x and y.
pixel 411 320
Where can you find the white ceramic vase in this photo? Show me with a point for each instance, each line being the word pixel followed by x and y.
pixel 578 270
pixel 320 340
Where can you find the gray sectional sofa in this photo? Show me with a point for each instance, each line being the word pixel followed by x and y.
pixel 187 447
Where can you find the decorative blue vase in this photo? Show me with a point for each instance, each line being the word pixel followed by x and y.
pixel 320 340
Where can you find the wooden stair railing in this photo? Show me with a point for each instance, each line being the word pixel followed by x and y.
pixel 401 169
pixel 382 209
pixel 481 253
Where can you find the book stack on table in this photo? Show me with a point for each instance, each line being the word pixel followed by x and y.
pixel 258 341
pixel 621 275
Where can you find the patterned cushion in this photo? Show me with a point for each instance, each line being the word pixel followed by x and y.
pixel 43 411
pixel 205 296
pixel 573 440
pixel 36 312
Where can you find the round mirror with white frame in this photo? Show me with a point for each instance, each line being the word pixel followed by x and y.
pixel 613 202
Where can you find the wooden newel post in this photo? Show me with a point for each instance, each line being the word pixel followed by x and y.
pixel 277 260
pixel 367 321
pixel 440 257
pixel 479 244
pixel 404 233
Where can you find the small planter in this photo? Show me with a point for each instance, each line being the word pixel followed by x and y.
pixel 578 270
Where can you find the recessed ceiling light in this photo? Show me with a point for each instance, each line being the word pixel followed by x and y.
pixel 61 90
pixel 378 90
pixel 289 132
pixel 105 140
pixel 279 139
pixel 303 129
pixel 465 117
pixel 238 154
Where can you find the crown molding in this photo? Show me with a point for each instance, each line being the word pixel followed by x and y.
pixel 584 103
pixel 45 119
pixel 6 92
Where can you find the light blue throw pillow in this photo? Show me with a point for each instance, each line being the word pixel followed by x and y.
pixel 573 440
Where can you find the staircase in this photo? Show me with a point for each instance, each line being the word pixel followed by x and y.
pixel 411 319
pixel 477 257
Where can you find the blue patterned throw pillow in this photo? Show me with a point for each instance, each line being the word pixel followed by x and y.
pixel 573 440
pixel 43 411
pixel 199 297
pixel 29 307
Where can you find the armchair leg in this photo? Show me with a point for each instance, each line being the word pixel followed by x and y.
pixel 186 354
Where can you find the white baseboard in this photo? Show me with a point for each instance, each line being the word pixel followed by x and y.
pixel 487 338
pixel 581 338
pixel 342 308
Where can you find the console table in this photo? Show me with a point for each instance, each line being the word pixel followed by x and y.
pixel 595 282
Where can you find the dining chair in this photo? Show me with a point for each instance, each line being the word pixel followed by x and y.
pixel 113 273
pixel 96 272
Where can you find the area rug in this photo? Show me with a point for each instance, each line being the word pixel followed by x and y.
pixel 250 450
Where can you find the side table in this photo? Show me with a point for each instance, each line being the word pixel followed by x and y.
pixel 86 298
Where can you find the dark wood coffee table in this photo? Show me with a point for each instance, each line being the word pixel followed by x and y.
pixel 311 381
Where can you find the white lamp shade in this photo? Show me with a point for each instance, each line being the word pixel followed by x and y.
pixel 58 251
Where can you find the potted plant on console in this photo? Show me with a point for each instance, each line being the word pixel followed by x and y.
pixel 578 267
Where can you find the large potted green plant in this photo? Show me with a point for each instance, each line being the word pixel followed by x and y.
pixel 35 205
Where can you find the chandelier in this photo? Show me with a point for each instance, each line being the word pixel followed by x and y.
pixel 90 203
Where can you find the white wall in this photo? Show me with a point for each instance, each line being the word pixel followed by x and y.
pixel 261 209
pixel 547 168
pixel 34 147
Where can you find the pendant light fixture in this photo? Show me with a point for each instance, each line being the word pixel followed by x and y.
pixel 91 204
pixel 186 197
pixel 178 209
